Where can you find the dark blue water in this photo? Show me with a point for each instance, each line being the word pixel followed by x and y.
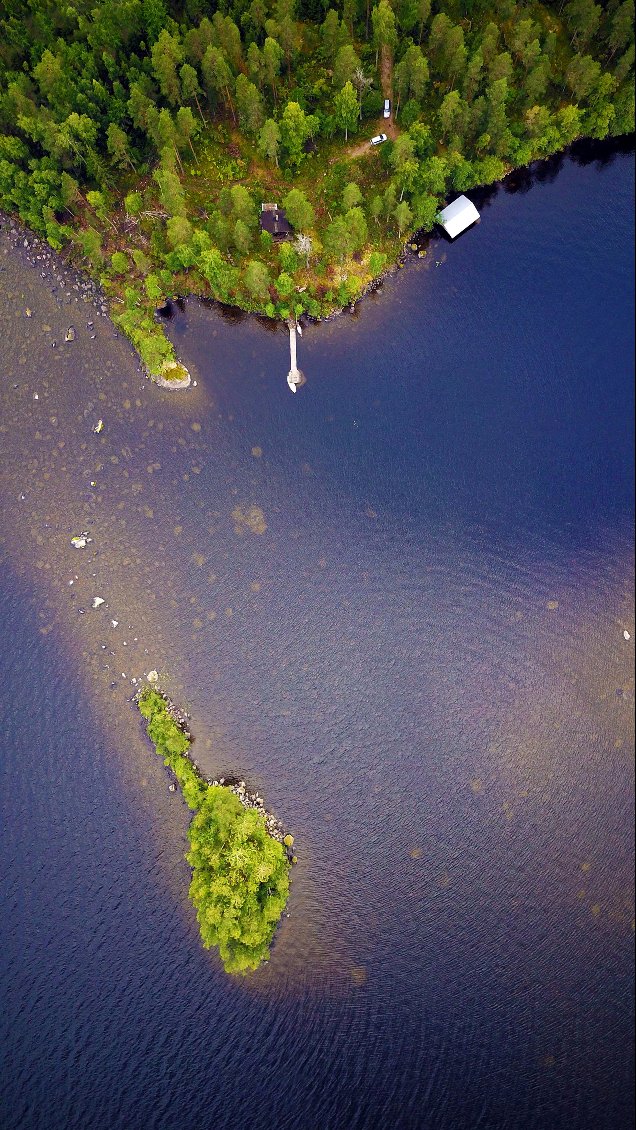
pixel 415 650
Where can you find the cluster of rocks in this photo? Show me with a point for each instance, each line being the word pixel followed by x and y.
pixel 180 718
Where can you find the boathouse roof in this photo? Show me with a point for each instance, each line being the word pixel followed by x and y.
pixel 458 216
pixel 274 220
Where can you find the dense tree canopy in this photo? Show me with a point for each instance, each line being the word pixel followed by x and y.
pixel 109 112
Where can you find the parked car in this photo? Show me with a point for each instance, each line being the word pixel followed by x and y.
pixel 387 107
pixel 378 139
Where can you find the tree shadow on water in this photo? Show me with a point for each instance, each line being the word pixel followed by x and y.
pixel 601 153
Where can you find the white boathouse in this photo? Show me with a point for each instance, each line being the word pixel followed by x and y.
pixel 458 216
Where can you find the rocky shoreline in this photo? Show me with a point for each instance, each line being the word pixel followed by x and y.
pixel 70 284
pixel 238 787
pixel 67 282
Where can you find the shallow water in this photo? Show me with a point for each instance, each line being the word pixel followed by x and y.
pixel 394 602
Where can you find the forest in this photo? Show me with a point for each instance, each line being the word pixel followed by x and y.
pixel 141 137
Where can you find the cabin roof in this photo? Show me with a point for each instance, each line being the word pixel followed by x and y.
pixel 458 216
pixel 274 220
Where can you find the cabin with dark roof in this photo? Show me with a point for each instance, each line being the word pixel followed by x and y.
pixel 274 220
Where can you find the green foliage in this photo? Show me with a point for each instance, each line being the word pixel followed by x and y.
pixel 155 16
pixel 384 29
pixel 240 874
pixel 425 211
pixel 296 127
pixel 120 263
pixel 403 216
pixel 288 258
pixel 178 231
pixel 240 881
pixel 249 104
pixel 410 113
pixel 133 203
pixel 345 66
pixel 346 108
pixel 269 141
pixel 140 260
pixel 298 210
pixel 351 196
pixel 90 242
pixel 376 263
pixel 257 280
pixel 131 128
pixel 284 285
pixel 148 339
pixel 153 288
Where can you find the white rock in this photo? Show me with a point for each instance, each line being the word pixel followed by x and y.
pixel 114 623
pixel 153 676
pixel 626 635
pixel 97 600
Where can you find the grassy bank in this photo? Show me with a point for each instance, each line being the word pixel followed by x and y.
pixel 240 873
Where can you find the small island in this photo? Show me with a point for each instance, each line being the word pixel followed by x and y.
pixel 174 149
pixel 239 855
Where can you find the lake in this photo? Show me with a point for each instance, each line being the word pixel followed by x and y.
pixel 396 603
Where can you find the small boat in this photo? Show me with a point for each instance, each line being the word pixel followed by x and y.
pixel 300 329
pixel 290 381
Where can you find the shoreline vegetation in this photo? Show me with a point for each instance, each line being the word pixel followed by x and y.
pixel 141 137
pixel 239 855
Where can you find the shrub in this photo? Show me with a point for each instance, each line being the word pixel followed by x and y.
pixel 120 262
pixel 376 262
pixel 141 261
pixel 133 203
pixel 153 288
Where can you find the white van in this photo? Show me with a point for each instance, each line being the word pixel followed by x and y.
pixel 387 107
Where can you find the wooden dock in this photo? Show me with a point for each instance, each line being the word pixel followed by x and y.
pixel 295 376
